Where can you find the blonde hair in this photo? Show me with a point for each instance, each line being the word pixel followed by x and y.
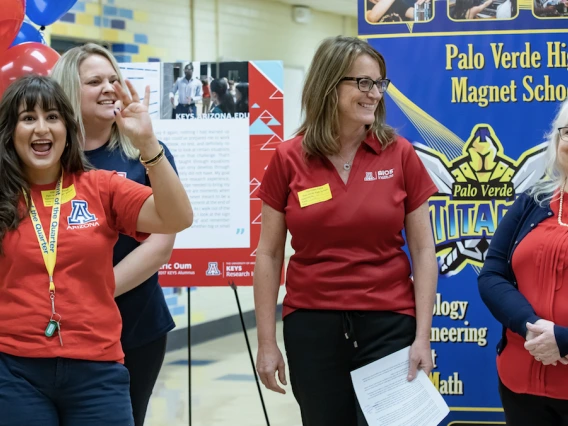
pixel 554 177
pixel 320 128
pixel 66 73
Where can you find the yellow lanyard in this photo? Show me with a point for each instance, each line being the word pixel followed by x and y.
pixel 49 251
pixel 48 248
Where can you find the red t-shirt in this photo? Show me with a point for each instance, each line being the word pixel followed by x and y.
pixel 540 266
pixel 96 206
pixel 348 249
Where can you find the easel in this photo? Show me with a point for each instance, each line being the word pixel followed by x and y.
pixel 234 287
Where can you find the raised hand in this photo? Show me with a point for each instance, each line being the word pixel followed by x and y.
pixel 133 119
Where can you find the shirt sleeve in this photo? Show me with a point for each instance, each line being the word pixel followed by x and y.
pixel 506 303
pixel 125 198
pixel 174 88
pixel 561 335
pixel 198 93
pixel 275 188
pixel 417 182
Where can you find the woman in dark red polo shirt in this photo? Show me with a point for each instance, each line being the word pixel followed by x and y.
pixel 345 188
pixel 522 284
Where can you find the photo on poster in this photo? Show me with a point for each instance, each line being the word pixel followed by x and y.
pixel 471 10
pixel 182 90
pixel 550 8
pixel 398 11
pixel 216 90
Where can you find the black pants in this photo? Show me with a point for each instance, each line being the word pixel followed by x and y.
pixel 144 364
pixel 320 358
pixel 530 410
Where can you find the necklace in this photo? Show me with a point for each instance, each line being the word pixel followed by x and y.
pixel 560 208
pixel 347 164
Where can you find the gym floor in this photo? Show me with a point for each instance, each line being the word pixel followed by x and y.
pixel 223 391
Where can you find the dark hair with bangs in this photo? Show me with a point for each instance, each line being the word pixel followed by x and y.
pixel 28 92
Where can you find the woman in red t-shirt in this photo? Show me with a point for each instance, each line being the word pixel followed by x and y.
pixel 346 187
pixel 61 361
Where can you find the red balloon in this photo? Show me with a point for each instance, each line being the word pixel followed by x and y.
pixel 26 58
pixel 11 20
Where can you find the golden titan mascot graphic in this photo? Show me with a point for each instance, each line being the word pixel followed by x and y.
pixel 475 191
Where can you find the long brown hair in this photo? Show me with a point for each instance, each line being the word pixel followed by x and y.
pixel 332 61
pixel 28 92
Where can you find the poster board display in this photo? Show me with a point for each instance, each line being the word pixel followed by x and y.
pixel 222 122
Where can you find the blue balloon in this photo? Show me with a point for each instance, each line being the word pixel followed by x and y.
pixel 46 12
pixel 27 33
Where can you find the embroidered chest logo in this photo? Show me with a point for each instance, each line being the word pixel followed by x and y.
pixel 80 216
pixel 379 175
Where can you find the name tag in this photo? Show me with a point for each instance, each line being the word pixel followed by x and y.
pixel 319 194
pixel 67 195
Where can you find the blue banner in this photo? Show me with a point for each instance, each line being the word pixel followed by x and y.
pixel 475 86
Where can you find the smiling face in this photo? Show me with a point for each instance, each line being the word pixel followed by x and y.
pixel 97 93
pixel 356 108
pixel 39 140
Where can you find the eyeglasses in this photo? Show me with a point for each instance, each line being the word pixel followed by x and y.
pixel 366 84
pixel 563 132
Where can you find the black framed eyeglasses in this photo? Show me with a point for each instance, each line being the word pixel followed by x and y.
pixel 366 84
pixel 563 132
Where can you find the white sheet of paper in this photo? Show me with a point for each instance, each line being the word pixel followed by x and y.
pixel 387 398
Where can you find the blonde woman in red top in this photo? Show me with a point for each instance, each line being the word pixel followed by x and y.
pixel 345 187
pixel 524 283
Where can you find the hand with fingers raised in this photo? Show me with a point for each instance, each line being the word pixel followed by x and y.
pixel 133 119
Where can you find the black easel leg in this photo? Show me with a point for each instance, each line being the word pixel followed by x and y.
pixel 189 351
pixel 234 287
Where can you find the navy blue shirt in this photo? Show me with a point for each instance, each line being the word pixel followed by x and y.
pixel 497 283
pixel 145 314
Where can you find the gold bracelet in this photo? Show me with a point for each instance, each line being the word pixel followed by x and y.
pixel 153 160
pixel 148 165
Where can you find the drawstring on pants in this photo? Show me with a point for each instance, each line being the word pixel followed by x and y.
pixel 349 328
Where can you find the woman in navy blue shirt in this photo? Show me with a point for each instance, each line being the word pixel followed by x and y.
pixel 87 74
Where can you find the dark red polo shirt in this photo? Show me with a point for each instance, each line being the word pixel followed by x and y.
pixel 348 249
